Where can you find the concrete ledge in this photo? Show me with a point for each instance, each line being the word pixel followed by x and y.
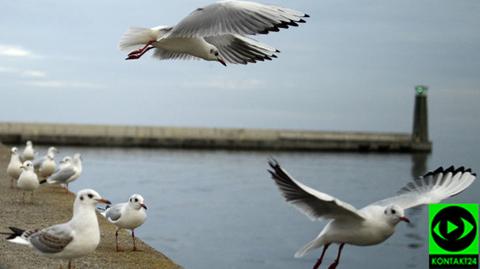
pixel 206 138
pixel 53 205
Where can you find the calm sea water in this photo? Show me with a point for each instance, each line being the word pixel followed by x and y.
pixel 218 209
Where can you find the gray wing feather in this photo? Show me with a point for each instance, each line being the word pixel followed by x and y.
pixel 311 202
pixel 51 240
pixel 241 50
pixel 114 213
pixel 433 187
pixel 38 162
pixel 236 17
pixel 164 54
pixel 62 175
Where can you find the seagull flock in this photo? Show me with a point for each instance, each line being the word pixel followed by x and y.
pixel 81 235
pixel 217 32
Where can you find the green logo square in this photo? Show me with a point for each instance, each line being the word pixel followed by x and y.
pixel 453 229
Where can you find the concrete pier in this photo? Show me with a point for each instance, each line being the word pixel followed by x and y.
pixel 205 138
pixel 222 138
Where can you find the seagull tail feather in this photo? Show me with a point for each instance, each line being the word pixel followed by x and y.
pixel 16 236
pixel 139 36
pixel 315 243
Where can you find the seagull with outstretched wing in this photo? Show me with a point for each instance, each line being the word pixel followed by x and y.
pixel 374 223
pixel 216 32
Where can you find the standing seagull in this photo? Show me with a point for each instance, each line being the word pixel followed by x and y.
pixel 67 160
pixel 28 153
pixel 67 173
pixel 14 166
pixel 216 32
pixel 46 165
pixel 28 180
pixel 127 216
pixel 76 238
pixel 374 223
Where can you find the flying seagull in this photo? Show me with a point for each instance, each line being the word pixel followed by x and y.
pixel 217 32
pixel 374 223
pixel 76 238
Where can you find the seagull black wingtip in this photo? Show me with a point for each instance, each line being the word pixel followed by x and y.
pixel 450 169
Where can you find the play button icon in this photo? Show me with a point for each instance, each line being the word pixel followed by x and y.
pixel 451 227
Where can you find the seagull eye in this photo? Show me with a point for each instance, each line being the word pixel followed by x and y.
pixel 216 53
pixel 211 50
pixel 136 200
pixel 393 211
pixel 90 196
pixel 81 198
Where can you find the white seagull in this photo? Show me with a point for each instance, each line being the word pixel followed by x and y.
pixel 67 172
pixel 14 166
pixel 28 153
pixel 217 32
pixel 46 165
pixel 130 215
pixel 76 238
pixel 28 180
pixel 67 160
pixel 374 223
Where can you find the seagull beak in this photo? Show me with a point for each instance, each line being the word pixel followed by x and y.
pixel 405 219
pixel 220 60
pixel 22 167
pixel 103 201
pixel 144 206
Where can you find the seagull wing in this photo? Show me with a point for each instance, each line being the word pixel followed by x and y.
pixel 241 50
pixel 165 54
pixel 114 213
pixel 62 175
pixel 38 162
pixel 433 187
pixel 311 202
pixel 236 17
pixel 53 239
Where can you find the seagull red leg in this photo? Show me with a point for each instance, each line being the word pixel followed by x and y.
pixel 133 237
pixel 141 49
pixel 138 55
pixel 116 240
pixel 319 261
pixel 337 260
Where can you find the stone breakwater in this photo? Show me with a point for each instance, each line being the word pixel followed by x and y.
pixel 51 206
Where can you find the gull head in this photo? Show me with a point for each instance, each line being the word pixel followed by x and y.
pixel 29 143
pixel 27 166
pixel 90 197
pixel 394 214
pixel 13 150
pixel 137 202
pixel 52 151
pixel 214 55
pixel 66 159
pixel 77 157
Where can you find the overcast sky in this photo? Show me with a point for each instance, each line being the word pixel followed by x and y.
pixel 352 66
